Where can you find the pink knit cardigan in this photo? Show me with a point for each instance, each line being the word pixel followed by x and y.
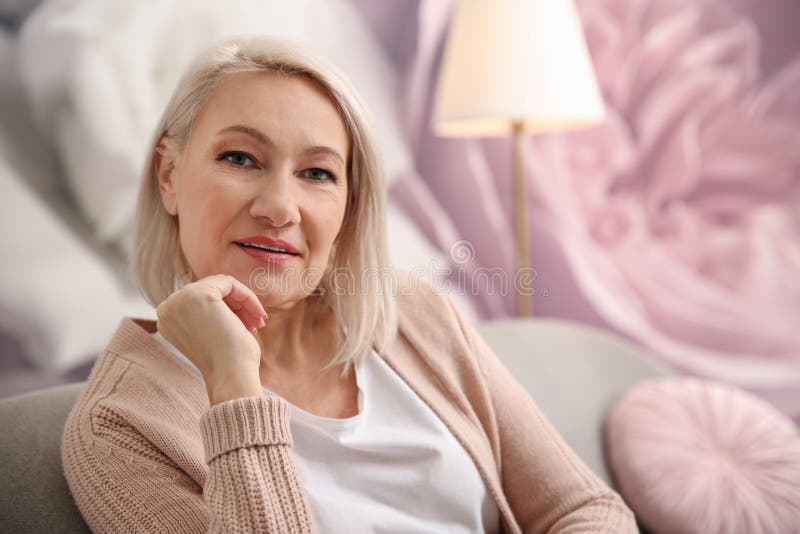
pixel 143 451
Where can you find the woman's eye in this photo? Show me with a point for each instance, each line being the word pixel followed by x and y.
pixel 319 175
pixel 240 159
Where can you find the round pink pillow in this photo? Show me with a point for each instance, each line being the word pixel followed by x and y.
pixel 694 456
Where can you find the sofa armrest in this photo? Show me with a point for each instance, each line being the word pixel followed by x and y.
pixel 574 373
pixel 35 496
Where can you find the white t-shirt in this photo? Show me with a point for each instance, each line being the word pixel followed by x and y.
pixel 394 467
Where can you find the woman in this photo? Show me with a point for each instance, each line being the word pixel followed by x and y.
pixel 293 382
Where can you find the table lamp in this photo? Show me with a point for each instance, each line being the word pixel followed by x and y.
pixel 514 66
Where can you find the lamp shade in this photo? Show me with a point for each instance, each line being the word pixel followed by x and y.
pixel 515 61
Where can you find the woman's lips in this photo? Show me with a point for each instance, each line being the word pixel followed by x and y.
pixel 266 256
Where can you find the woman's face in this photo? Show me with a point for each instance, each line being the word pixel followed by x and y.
pixel 265 166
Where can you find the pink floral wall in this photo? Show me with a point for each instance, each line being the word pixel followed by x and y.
pixel 677 222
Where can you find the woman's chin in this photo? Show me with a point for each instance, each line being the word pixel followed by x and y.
pixel 280 302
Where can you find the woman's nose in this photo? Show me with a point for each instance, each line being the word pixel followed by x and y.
pixel 276 200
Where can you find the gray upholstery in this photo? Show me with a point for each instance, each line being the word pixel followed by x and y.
pixel 574 373
pixel 35 496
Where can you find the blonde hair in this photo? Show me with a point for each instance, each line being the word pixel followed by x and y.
pixel 366 312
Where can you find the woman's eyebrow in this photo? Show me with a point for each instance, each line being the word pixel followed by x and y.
pixel 325 150
pixel 260 137
pixel 247 130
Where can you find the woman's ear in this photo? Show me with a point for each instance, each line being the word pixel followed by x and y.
pixel 164 163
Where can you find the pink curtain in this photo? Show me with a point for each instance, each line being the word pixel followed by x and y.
pixel 676 222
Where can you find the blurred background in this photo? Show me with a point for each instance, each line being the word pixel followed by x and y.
pixel 673 222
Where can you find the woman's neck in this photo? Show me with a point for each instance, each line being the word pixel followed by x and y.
pixel 297 340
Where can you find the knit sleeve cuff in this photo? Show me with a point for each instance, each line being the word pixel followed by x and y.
pixel 245 422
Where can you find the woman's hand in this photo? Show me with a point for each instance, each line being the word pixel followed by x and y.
pixel 212 321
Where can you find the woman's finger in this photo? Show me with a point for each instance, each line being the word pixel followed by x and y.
pixel 244 313
pixel 235 293
pixel 250 321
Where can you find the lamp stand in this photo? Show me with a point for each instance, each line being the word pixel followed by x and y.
pixel 520 215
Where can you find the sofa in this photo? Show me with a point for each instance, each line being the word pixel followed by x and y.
pixel 574 372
